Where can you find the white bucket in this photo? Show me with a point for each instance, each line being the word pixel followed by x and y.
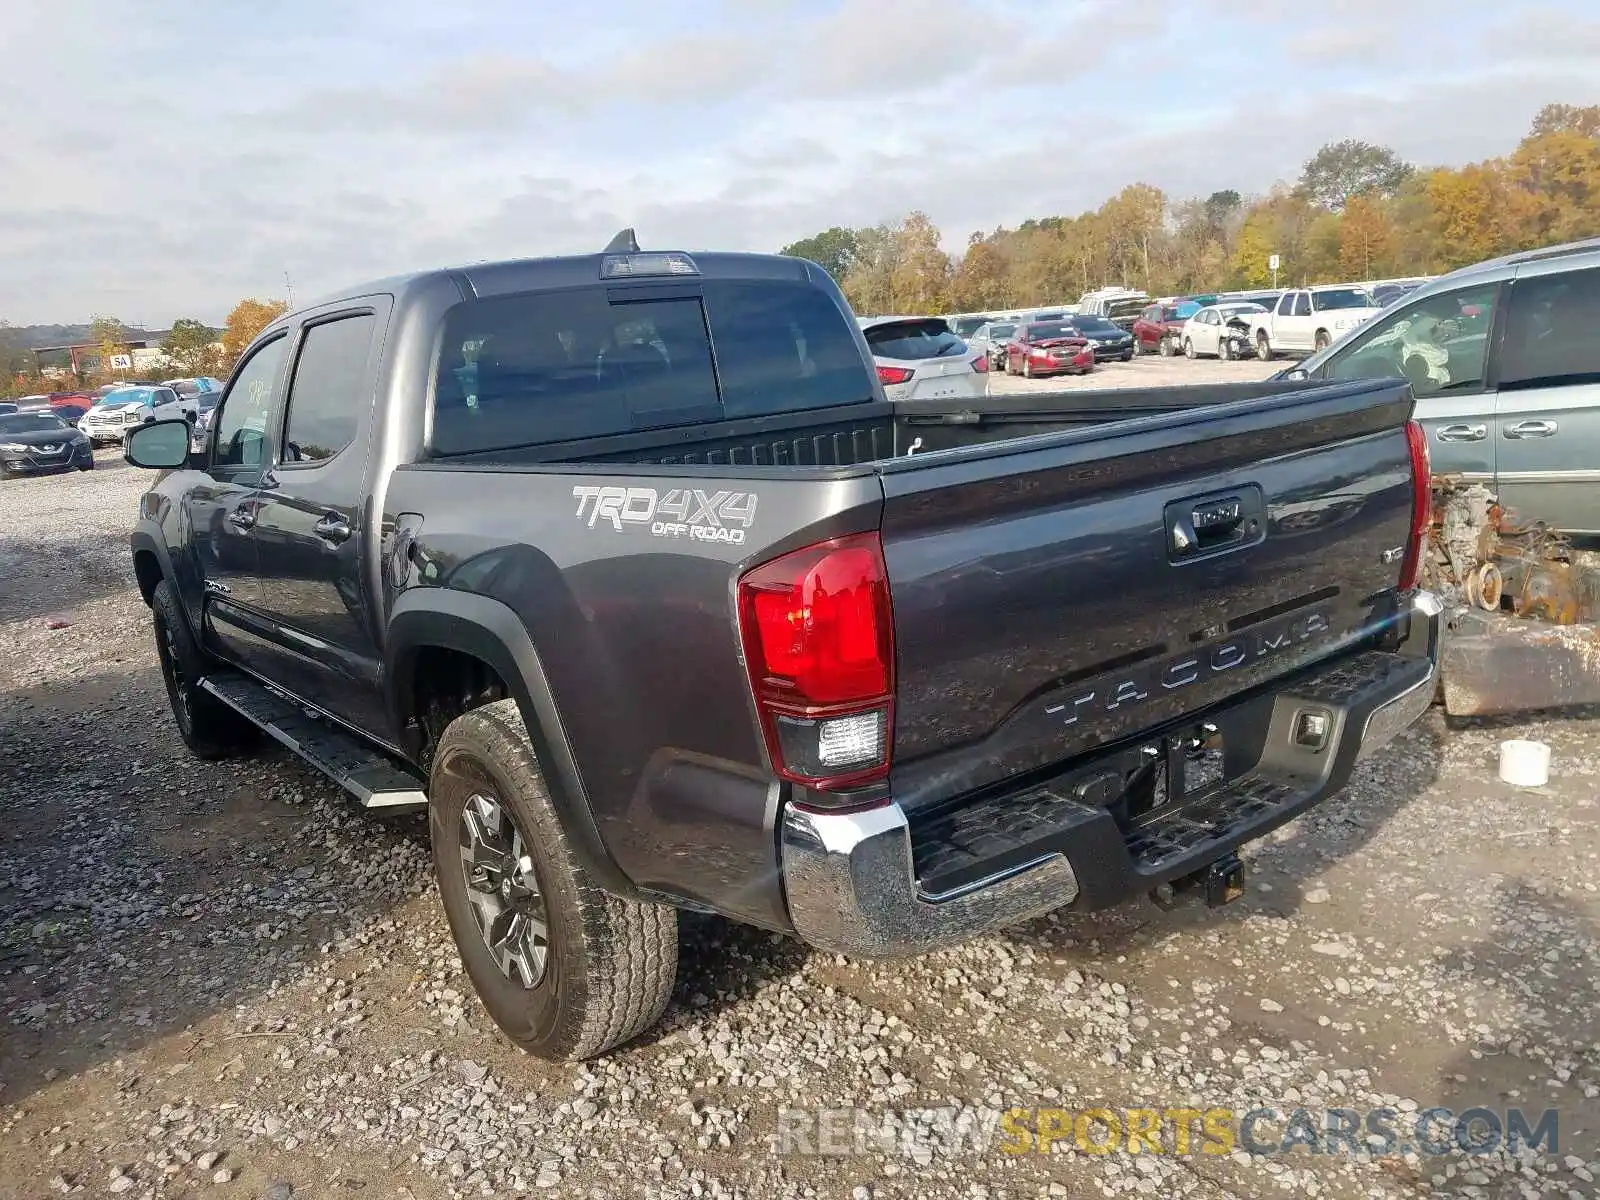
pixel 1525 764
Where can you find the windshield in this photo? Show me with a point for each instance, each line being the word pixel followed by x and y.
pixel 1181 311
pixel 1328 298
pixel 966 326
pixel 996 332
pixel 126 396
pixel 1055 329
pixel 1095 325
pixel 1126 308
pixel 1233 310
pixel 30 423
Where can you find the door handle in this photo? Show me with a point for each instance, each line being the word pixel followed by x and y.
pixel 242 518
pixel 1463 433
pixel 1531 429
pixel 332 528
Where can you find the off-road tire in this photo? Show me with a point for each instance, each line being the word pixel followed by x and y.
pixel 207 726
pixel 610 963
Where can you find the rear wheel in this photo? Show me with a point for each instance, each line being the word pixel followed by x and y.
pixel 208 726
pixel 566 970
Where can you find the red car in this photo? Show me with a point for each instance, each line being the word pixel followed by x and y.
pixel 1159 328
pixel 1048 348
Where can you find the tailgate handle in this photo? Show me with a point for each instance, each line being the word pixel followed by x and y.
pixel 1208 525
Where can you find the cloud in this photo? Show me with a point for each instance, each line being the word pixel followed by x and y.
pixel 356 140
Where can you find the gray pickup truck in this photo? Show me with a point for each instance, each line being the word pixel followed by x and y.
pixel 622 566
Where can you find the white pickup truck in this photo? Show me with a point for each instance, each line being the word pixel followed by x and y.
pixel 1304 320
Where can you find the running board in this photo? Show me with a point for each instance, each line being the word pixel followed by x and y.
pixel 363 771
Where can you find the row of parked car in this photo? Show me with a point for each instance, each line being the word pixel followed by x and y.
pixel 53 432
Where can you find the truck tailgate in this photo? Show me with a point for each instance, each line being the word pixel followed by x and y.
pixel 1058 593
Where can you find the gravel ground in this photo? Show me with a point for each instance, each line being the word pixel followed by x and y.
pixel 223 980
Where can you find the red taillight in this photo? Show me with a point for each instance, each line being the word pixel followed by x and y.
pixel 981 364
pixel 1421 505
pixel 895 374
pixel 819 646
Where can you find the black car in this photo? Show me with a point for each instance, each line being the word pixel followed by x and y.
pixel 1109 340
pixel 38 443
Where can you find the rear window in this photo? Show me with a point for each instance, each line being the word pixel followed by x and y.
pixel 555 366
pixel 912 340
pixel 1123 308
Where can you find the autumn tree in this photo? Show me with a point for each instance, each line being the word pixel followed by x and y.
pixel 1366 240
pixel 834 250
pixel 981 282
pixel 248 318
pixel 110 338
pixel 1349 168
pixel 191 346
pixel 1253 250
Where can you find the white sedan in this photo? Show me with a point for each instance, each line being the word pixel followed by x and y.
pixel 921 358
pixel 1203 332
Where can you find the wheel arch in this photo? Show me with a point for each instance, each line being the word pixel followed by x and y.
pixel 484 629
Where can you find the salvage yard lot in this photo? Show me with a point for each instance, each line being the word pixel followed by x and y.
pixel 226 959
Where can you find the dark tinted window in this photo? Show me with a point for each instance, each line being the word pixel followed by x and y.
pixel 1053 329
pixel 242 427
pixel 325 396
pixel 552 366
pixel 1551 330
pixel 929 338
pixel 1094 325
pixel 783 348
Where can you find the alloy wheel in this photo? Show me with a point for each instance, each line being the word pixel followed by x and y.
pixel 503 890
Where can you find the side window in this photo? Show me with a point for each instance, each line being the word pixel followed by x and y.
pixel 1551 331
pixel 1439 344
pixel 1285 304
pixel 242 422
pixel 1302 304
pixel 325 395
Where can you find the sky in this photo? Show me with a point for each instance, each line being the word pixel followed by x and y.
pixel 162 158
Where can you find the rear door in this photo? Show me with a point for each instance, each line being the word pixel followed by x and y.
pixel 312 527
pixel 1547 412
pixel 1053 599
pixel 221 509
pixel 1440 345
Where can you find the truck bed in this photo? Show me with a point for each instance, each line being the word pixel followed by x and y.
pixel 866 433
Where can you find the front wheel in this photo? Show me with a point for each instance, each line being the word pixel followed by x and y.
pixel 1225 350
pixel 1188 348
pixel 1322 340
pixel 1166 347
pixel 1263 348
pixel 566 970
pixel 1027 368
pixel 207 726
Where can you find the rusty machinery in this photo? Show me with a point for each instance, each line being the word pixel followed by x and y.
pixel 1524 606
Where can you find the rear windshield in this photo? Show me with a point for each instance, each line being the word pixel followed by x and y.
pixel 555 366
pixel 914 339
pixel 1327 298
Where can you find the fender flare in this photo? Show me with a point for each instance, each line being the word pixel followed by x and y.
pixel 492 632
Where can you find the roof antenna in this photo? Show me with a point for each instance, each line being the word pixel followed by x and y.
pixel 623 243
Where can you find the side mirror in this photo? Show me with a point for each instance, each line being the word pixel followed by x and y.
pixel 158 446
pixel 1297 374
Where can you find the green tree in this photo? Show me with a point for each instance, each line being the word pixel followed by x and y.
pixel 834 250
pixel 1567 118
pixel 1255 246
pixel 191 346
pixel 1351 168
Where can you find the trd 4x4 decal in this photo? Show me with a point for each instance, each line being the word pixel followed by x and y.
pixel 680 513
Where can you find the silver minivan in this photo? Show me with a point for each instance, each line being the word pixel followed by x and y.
pixel 1504 359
